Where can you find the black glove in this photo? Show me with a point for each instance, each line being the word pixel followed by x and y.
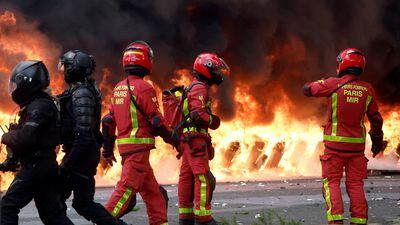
pixel 377 143
pixel 108 151
pixel 108 158
pixel 215 122
pixel 210 148
pixel 13 126
pixel 174 139
pixel 9 165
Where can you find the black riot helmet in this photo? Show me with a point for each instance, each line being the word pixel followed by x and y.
pixel 77 66
pixel 27 79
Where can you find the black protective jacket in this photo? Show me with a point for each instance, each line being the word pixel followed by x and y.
pixel 81 137
pixel 37 133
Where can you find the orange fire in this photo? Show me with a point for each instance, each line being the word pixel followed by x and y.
pixel 286 147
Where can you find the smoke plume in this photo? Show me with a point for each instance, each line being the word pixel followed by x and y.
pixel 272 46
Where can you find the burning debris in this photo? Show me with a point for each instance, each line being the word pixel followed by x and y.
pixel 276 155
pixel 261 161
pixel 230 153
pixel 261 98
pixel 255 159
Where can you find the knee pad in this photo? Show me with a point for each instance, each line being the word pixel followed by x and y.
pixel 164 194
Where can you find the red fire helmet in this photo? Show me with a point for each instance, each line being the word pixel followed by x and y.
pixel 210 67
pixel 138 55
pixel 350 58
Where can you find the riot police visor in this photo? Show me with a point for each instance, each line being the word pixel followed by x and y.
pixel 11 87
pixel 60 66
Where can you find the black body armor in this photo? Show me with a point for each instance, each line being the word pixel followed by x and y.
pixel 80 119
pixel 37 133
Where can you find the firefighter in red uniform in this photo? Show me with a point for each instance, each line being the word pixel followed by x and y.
pixel 349 100
pixel 135 113
pixel 196 182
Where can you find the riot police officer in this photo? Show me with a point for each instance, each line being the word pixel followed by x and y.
pixel 33 141
pixel 81 137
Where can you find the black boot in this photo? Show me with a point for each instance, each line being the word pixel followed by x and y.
pixel 121 222
pixel 186 222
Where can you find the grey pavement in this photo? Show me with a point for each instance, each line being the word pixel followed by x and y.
pixel 300 200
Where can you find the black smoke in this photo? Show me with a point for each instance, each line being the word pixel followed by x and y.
pixel 273 46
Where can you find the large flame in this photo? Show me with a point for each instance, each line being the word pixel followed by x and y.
pixel 286 147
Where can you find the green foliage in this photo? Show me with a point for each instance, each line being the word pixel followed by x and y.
pixel 226 222
pixel 265 218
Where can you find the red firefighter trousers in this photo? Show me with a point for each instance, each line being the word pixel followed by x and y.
pixel 355 167
pixel 137 177
pixel 196 182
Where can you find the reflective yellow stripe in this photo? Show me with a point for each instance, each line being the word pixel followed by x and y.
pixel 344 139
pixel 333 137
pixel 369 98
pixel 359 220
pixel 186 106
pixel 202 211
pixel 329 203
pixel 164 224
pixel 211 119
pixel 194 129
pixel 121 202
pixel 186 112
pixel 133 139
pixel 186 210
pixel 334 114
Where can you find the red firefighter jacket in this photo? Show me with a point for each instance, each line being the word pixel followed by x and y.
pixel 134 128
pixel 347 106
pixel 198 102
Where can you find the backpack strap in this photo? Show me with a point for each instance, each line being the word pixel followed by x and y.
pixel 133 100
pixel 184 122
pixel 340 86
pixel 188 88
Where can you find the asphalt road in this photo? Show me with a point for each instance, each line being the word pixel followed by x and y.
pixel 299 200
